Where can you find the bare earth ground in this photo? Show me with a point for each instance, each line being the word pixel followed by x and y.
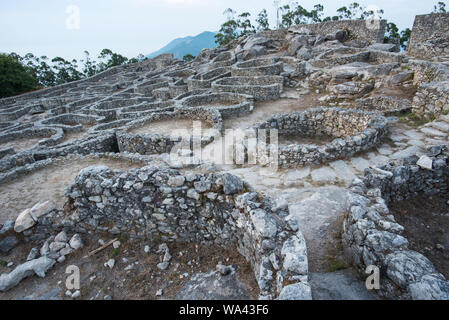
pixel 47 184
pixel 20 144
pixel 141 282
pixel 426 223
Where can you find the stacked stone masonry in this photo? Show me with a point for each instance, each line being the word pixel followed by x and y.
pixel 371 235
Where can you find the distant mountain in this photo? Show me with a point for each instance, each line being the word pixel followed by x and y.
pixel 193 45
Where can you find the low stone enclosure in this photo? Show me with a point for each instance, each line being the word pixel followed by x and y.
pixel 228 104
pixel 214 208
pixel 261 88
pixel 204 80
pixel 257 67
pixel 351 131
pixel 157 143
pixel 372 237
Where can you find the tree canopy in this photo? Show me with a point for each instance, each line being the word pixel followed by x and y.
pixel 15 77
pixel 21 74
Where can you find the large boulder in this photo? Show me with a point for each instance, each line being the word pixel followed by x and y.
pixel 24 221
pixel 38 266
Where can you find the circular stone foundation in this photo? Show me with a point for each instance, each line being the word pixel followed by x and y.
pixel 144 110
pixel 228 104
pixel 371 236
pixel 204 80
pixel 350 131
pixel 109 108
pixel 149 86
pixel 261 88
pixel 257 67
pixel 160 132
pixel 31 137
pixel 224 59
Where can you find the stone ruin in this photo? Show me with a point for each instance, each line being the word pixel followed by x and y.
pixel 336 81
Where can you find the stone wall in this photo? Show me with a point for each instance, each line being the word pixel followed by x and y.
pixel 358 29
pixel 431 99
pixel 261 88
pixel 106 142
pixel 210 208
pixel 371 235
pixel 147 144
pixel 351 130
pixel 228 104
pixel 257 67
pixel 430 36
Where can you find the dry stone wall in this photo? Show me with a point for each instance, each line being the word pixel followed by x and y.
pixel 351 130
pixel 215 208
pixel 371 235
pixel 430 36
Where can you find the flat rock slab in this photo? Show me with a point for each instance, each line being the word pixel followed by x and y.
pixel 324 174
pixel 297 174
pixel 413 134
pixel 377 159
pixel 318 212
pixel 343 171
pixel 214 286
pixel 360 164
pixel 433 132
pixel 339 285
pixel 442 126
pixel 410 151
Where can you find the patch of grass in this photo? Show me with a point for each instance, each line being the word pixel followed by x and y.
pixel 124 237
pixel 183 260
pixel 115 252
pixel 335 264
pixel 415 121
pixel 248 267
pixel 405 67
pixel 363 276
pixel 3 263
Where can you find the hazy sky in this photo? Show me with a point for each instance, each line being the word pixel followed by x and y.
pixel 130 27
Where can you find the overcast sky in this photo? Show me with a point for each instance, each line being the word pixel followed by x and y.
pixel 130 27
